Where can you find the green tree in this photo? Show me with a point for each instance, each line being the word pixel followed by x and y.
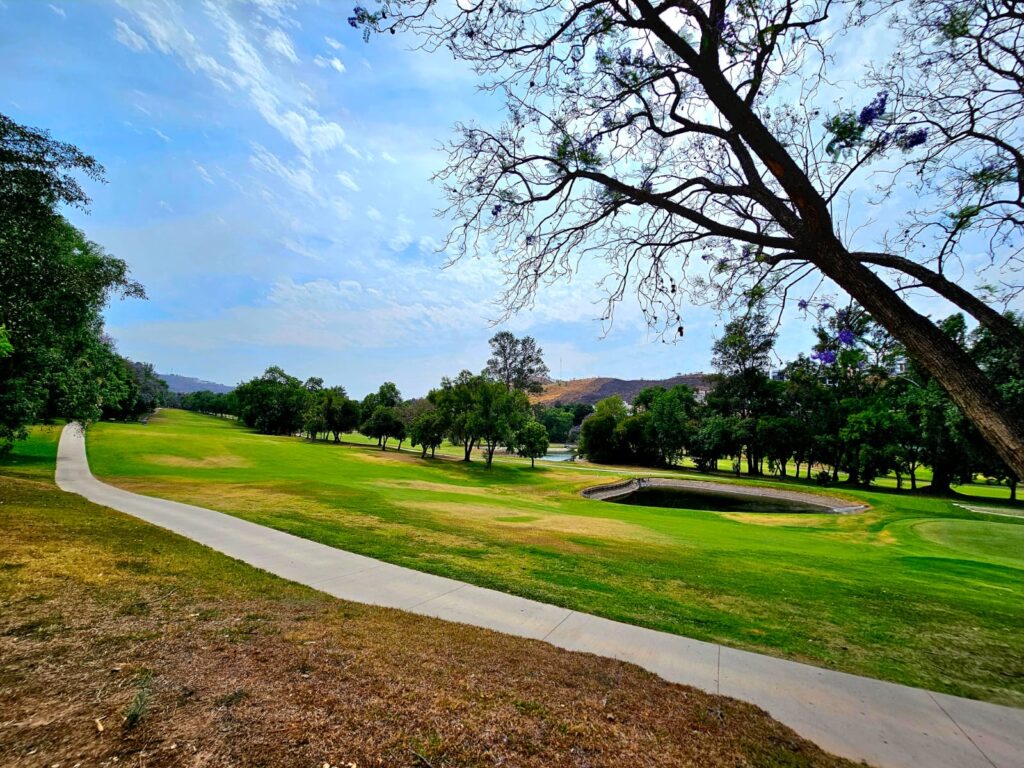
pixel 498 415
pixel 516 363
pixel 273 403
pixel 673 415
pixel 532 441
pixel 557 421
pixel 428 431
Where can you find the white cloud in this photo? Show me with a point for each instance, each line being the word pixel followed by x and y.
pixel 166 206
pixel 129 38
pixel 347 181
pixel 281 44
pixel 373 214
pixel 388 156
pixel 203 173
pixel 400 241
pixel 59 11
pixel 333 43
pixel 287 107
pixel 299 178
pixel 163 136
pixel 333 62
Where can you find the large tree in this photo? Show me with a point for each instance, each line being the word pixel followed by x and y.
pixel 516 363
pixel 54 283
pixel 660 137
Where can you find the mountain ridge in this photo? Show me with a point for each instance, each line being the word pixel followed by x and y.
pixel 184 385
pixel 595 388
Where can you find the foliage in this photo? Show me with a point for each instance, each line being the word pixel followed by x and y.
pixel 516 363
pixel 54 283
pixel 532 441
pixel 273 403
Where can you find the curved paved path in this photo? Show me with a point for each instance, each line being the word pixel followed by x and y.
pixel 857 717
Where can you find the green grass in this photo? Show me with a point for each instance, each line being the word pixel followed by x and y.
pixel 916 590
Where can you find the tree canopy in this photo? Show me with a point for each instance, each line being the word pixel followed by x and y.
pixel 695 150
pixel 54 283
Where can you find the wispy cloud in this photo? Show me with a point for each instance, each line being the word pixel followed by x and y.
pixel 279 42
pixel 332 62
pixel 347 181
pixel 203 173
pixel 58 10
pixel 129 38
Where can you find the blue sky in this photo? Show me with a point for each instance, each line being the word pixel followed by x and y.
pixel 268 182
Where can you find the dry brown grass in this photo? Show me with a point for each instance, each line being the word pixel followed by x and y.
pixel 223 665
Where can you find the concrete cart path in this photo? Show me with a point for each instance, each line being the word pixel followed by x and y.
pixel 861 718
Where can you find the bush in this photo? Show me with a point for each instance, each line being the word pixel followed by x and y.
pixel 824 478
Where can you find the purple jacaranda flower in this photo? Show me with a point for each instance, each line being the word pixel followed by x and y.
pixel 913 139
pixel 530 239
pixel 847 337
pixel 497 209
pixel 826 305
pixel 874 110
pixel 826 356
pixel 647 186
pixel 802 304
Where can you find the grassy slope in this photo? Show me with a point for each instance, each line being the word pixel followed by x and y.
pixel 102 615
pixel 916 590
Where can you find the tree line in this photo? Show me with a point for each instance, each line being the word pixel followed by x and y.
pixel 485 411
pixel 857 405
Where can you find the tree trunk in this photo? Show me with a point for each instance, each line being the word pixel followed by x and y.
pixel 384 444
pixel 1012 482
pixel 432 449
pixel 913 478
pixel 999 325
pixel 811 223
pixel 940 355
pixel 532 464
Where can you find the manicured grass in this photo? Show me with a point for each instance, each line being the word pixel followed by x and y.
pixel 916 590
pixel 124 644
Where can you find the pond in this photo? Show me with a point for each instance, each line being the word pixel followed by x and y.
pixel 714 501
pixel 559 456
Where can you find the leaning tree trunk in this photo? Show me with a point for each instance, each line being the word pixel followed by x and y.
pixel 940 355
pixel 813 227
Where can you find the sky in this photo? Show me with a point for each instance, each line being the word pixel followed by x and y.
pixel 268 181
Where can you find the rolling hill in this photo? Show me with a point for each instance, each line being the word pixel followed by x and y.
pixel 185 384
pixel 597 388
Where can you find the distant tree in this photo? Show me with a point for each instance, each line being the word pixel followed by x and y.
pixel 580 411
pixel 385 424
pixel 341 414
pixel 645 398
pixel 673 413
pixel 598 437
pixel 273 403
pixel 557 421
pixel 532 441
pixel 517 363
pixel 498 415
pixel 427 431
pixel 388 395
pixel 456 399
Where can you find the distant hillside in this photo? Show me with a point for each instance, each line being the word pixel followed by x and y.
pixel 594 389
pixel 185 384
